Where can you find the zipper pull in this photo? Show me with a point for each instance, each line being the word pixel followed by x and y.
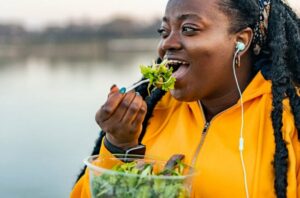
pixel 205 127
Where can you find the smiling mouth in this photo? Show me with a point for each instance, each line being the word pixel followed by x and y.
pixel 175 64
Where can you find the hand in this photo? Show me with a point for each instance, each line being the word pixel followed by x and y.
pixel 121 117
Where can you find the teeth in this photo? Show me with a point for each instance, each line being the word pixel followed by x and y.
pixel 177 62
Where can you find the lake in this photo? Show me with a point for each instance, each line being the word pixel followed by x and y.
pixel 47 110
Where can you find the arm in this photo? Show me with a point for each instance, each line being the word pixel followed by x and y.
pixel 82 188
pixel 121 118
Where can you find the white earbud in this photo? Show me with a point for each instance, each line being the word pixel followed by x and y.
pixel 240 46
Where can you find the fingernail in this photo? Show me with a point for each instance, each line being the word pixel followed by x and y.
pixel 113 89
pixel 113 86
pixel 122 90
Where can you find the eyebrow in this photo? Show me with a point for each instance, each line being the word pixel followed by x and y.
pixel 184 17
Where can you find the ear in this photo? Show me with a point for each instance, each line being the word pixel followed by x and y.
pixel 245 36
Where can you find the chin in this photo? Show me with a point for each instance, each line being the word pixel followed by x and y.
pixel 181 95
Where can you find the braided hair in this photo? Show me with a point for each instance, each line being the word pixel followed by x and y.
pixel 279 62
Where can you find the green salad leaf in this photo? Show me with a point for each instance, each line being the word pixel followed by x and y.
pixel 140 185
pixel 159 75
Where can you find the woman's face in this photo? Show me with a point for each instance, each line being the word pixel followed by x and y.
pixel 196 33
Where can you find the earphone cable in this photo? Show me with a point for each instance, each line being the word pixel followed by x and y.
pixel 241 140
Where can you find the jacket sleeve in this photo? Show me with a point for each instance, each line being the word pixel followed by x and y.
pixel 296 149
pixel 298 165
pixel 291 137
pixel 82 188
pixel 298 182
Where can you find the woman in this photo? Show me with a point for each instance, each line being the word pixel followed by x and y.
pixel 246 145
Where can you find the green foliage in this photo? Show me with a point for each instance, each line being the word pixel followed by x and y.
pixel 159 75
pixel 140 185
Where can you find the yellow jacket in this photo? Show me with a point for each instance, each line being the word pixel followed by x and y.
pixel 176 127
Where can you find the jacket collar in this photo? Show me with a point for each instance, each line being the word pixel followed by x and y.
pixel 257 87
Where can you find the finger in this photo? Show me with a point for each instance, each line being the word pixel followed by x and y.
pixel 140 116
pixel 142 113
pixel 133 110
pixel 121 109
pixel 125 105
pixel 113 89
pixel 110 106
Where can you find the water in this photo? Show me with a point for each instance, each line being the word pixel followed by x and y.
pixel 47 125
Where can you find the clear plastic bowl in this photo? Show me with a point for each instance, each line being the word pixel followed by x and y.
pixel 107 183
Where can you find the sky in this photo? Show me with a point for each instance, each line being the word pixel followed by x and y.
pixel 38 13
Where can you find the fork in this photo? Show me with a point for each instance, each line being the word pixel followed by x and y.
pixel 124 90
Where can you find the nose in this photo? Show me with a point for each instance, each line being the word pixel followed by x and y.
pixel 170 43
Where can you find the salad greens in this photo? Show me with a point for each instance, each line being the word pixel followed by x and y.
pixel 159 75
pixel 140 185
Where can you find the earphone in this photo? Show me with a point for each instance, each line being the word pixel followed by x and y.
pixel 240 46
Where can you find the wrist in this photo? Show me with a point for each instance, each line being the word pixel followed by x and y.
pixel 121 145
pixel 139 149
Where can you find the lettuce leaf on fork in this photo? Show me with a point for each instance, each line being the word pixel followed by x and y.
pixel 159 75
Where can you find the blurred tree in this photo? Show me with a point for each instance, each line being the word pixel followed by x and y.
pixel 120 27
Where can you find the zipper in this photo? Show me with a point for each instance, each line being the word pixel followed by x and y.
pixel 205 130
pixel 203 135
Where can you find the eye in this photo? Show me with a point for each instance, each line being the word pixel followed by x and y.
pixel 189 30
pixel 162 32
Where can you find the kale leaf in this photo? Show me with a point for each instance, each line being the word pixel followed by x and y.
pixel 139 182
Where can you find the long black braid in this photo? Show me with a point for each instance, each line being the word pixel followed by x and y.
pixel 282 52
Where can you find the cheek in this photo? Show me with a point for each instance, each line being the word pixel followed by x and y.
pixel 212 57
pixel 160 51
pixel 211 65
pixel 203 59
